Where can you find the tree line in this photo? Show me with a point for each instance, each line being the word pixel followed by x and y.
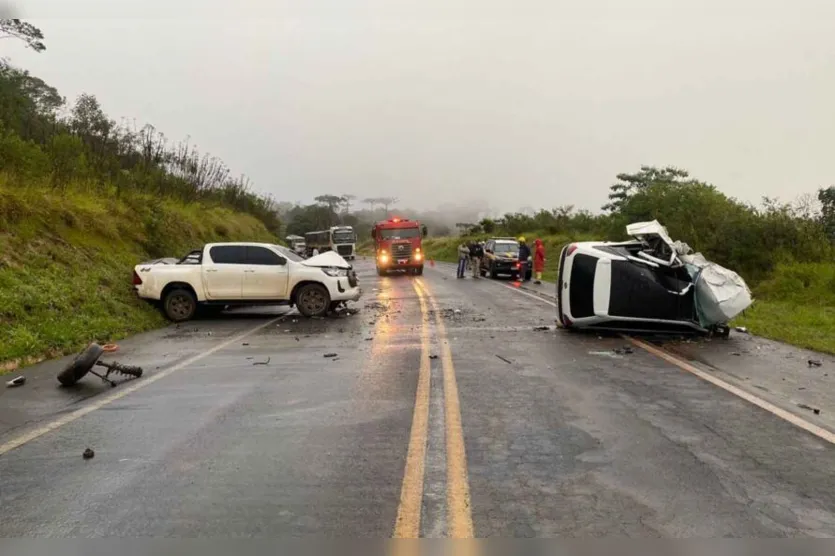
pixel 752 239
pixel 46 141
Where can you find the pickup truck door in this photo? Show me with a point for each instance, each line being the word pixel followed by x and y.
pixel 223 272
pixel 266 274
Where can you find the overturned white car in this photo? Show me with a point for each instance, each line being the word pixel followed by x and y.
pixel 649 284
pixel 234 274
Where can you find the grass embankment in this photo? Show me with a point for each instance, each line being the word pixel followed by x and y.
pixel 795 305
pixel 66 261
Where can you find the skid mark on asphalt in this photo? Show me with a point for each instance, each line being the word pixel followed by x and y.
pixel 124 391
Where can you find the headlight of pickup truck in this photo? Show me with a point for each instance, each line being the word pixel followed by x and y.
pixel 335 272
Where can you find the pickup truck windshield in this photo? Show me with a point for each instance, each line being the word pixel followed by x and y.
pixel 507 248
pixel 289 253
pixel 400 233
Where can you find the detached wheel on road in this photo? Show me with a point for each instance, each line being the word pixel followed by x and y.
pixel 179 305
pixel 313 300
pixel 81 365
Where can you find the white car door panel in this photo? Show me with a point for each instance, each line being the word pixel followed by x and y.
pixel 223 273
pixel 266 275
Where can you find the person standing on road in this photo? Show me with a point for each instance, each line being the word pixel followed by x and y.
pixel 524 259
pixel 463 257
pixel 476 252
pixel 538 260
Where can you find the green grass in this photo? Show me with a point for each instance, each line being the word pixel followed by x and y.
pixel 66 261
pixel 796 305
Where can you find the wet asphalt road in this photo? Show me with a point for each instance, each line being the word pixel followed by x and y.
pixel 242 427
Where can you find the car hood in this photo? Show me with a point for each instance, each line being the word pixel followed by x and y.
pixel 327 259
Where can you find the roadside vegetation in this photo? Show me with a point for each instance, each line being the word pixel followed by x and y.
pixel 82 200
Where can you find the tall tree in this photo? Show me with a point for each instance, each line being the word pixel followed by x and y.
pixel 387 202
pixel 331 201
pixel 827 200
pixel 347 201
pixel 19 29
pixel 630 184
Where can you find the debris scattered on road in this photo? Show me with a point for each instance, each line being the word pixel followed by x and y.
pixel 297 338
pixel 741 329
pixel 267 362
pixel 369 339
pixel 330 355
pixel 456 312
pixel 15 382
pixel 245 344
pixel 508 361
pixel 625 350
pixel 611 354
pixel 433 357
pixel 88 454
pixel 736 353
pixel 479 319
pixel 814 410
pixel 814 363
pixel 541 328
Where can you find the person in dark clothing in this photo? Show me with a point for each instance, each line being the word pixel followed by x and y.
pixel 476 252
pixel 524 259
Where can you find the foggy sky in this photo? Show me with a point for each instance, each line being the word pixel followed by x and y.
pixel 444 102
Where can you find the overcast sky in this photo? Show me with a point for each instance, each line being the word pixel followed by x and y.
pixel 440 101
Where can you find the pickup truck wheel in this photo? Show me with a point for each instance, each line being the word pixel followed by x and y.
pixel 313 300
pixel 493 273
pixel 179 305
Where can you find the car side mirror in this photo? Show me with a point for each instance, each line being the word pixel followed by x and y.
pixel 424 230
pixel 373 234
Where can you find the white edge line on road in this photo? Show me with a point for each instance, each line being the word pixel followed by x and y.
pixel 792 418
pixel 124 391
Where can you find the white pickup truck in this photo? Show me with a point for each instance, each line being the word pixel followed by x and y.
pixel 234 274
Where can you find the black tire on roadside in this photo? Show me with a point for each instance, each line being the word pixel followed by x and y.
pixel 313 300
pixel 179 305
pixel 81 365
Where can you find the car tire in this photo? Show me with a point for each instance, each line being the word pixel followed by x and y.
pixel 313 300
pixel 381 272
pixel 81 365
pixel 418 271
pixel 493 274
pixel 179 305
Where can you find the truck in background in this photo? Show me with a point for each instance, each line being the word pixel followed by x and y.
pixel 296 244
pixel 398 245
pixel 340 239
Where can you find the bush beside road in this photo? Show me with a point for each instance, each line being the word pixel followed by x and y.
pixel 66 260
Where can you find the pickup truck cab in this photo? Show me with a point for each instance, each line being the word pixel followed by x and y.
pixel 224 274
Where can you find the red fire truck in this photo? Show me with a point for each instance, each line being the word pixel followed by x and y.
pixel 397 245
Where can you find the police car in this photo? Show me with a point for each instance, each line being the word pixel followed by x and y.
pixel 501 256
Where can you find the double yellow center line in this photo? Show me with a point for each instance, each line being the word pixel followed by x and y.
pixel 459 514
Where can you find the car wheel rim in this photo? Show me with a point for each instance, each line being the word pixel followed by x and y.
pixel 180 306
pixel 313 300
